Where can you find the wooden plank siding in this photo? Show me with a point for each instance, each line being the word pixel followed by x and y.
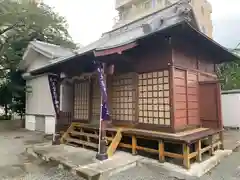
pixel 186 98
pixel 191 68
pixel 180 98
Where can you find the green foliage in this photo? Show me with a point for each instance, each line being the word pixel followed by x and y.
pixel 229 75
pixel 21 22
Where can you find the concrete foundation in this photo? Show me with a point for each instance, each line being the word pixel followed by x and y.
pixel 83 162
pixel 196 170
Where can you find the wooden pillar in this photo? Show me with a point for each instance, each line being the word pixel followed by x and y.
pixel 221 140
pixel 161 151
pixel 198 150
pixel 211 150
pixel 134 145
pixel 81 130
pixel 186 159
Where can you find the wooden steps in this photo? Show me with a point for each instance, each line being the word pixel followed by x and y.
pixel 78 136
pixel 84 143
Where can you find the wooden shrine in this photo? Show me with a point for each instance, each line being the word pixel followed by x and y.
pixel 164 95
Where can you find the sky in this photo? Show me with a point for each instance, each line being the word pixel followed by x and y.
pixel 88 19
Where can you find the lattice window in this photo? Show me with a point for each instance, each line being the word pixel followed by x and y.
pixel 96 99
pixel 154 105
pixel 81 100
pixel 122 97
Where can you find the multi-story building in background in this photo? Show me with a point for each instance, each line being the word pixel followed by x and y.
pixel 130 10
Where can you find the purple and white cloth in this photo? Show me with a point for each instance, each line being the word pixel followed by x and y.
pixel 104 106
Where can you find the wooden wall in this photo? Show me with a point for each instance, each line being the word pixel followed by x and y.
pixel 139 96
pixel 191 68
pixel 154 59
pixel 186 98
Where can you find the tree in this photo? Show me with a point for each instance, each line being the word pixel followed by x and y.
pixel 229 74
pixel 6 97
pixel 21 22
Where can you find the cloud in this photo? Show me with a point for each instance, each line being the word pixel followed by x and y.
pixel 89 19
pixel 226 18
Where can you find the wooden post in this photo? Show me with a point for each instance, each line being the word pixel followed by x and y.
pixel 134 145
pixel 186 159
pixel 161 151
pixel 198 149
pixel 81 130
pixel 211 150
pixel 221 140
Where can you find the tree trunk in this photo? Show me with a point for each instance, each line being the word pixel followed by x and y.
pixel 5 110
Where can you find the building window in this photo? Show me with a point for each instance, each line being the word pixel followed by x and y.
pixel 202 10
pixel 167 3
pixel 163 3
pixel 124 14
pixel 204 30
pixel 160 2
pixel 192 2
pixel 147 5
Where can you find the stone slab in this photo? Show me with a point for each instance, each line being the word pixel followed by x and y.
pixel 121 161
pixel 83 162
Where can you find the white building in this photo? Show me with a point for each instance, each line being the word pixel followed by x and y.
pixel 230 108
pixel 40 113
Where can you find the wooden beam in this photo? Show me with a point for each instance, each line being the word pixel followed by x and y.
pixel 192 155
pixel 134 145
pixel 198 150
pixel 115 143
pixel 147 149
pixel 172 96
pixel 135 98
pixel 161 151
pixel 211 150
pixel 186 81
pixel 77 141
pixel 173 155
pixel 186 159
pixel 221 140
pixel 84 134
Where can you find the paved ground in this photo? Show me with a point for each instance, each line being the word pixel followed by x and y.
pixel 228 169
pixel 231 139
pixel 16 165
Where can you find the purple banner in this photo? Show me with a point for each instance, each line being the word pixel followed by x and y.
pixel 53 85
pixel 104 105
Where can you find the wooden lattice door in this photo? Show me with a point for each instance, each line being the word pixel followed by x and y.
pixel 81 100
pixel 122 98
pixel 154 100
pixel 96 101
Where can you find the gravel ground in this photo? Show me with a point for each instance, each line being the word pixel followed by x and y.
pixel 140 173
pixel 15 164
